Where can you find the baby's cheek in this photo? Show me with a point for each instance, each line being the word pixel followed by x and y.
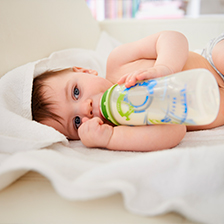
pixel 85 119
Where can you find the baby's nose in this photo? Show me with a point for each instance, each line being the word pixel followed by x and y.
pixel 87 108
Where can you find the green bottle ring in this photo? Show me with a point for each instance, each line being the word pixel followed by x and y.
pixel 105 105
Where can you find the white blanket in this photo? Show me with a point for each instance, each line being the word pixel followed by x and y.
pixel 188 179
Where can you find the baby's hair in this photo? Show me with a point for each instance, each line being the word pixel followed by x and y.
pixel 41 105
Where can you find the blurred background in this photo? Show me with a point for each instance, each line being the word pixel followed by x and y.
pixel 154 9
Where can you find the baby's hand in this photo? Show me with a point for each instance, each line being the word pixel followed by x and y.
pixel 130 79
pixel 94 133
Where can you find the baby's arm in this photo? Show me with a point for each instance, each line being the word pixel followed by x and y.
pixel 94 133
pixel 146 138
pixel 168 48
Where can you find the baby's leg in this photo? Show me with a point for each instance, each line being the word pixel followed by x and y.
pixel 218 56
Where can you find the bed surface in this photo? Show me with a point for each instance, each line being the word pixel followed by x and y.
pixel 32 199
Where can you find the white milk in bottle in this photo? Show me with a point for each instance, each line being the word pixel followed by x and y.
pixel 190 97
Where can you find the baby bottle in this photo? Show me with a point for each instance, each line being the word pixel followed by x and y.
pixel 189 97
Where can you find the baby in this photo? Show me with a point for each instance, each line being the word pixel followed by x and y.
pixel 69 100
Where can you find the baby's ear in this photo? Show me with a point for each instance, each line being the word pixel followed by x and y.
pixel 85 70
pixel 79 69
pixel 93 72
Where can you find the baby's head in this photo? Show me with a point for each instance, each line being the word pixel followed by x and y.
pixel 41 104
pixel 61 99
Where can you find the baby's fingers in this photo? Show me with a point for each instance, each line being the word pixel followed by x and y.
pixel 134 77
pixel 130 80
pixel 148 74
pixel 122 79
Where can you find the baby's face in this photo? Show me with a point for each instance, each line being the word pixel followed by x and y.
pixel 75 95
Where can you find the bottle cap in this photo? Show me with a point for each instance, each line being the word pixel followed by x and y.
pixel 105 105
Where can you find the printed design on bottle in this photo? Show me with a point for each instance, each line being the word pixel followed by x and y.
pixel 172 104
pixel 172 115
pixel 133 107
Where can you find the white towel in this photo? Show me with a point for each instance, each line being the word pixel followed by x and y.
pixel 188 179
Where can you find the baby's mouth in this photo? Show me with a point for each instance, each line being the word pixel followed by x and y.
pixel 95 110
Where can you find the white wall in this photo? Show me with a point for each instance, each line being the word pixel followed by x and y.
pixel 212 6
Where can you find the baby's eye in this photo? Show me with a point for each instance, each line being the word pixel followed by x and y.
pixel 77 122
pixel 76 92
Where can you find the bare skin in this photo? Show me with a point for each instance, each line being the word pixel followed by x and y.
pixel 157 55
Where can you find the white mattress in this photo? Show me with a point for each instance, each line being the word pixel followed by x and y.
pixel 32 199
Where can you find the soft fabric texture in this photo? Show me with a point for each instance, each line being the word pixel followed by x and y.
pixel 187 179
